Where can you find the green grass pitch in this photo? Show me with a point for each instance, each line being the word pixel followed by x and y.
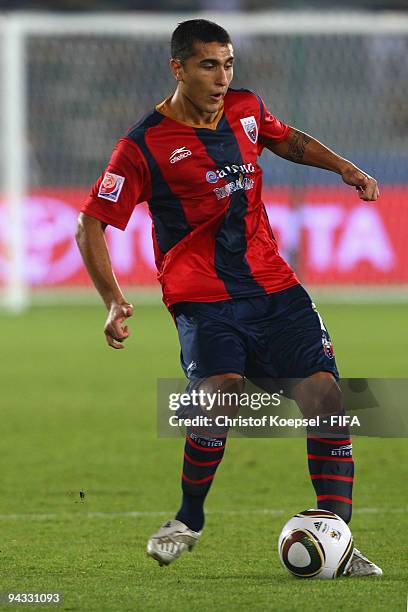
pixel 78 416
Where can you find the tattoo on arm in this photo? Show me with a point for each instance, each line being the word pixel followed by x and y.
pixel 296 145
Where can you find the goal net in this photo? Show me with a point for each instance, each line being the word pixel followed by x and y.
pixel 72 85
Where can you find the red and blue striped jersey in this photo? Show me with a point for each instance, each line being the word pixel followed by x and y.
pixel 211 235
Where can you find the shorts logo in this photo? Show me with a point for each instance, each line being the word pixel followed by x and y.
pixel 343 451
pixel 179 154
pixel 250 128
pixel 191 367
pixel 327 345
pixel 111 186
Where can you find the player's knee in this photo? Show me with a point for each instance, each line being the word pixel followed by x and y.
pixel 319 395
pixel 222 392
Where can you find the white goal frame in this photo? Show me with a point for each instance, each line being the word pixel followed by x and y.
pixel 15 27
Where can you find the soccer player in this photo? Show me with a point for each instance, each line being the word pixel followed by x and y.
pixel 239 308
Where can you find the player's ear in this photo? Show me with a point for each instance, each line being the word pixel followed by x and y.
pixel 176 68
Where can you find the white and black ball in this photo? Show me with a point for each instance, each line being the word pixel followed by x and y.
pixel 316 544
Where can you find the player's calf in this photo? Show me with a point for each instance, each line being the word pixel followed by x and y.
pixel 202 456
pixel 329 448
pixel 204 447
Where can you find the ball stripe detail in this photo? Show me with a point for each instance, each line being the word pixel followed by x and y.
pixel 318 514
pixel 345 558
pixel 313 547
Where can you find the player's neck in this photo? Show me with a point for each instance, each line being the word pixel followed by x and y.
pixel 182 109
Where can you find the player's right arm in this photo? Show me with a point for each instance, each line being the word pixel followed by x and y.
pixel 91 242
pixel 124 183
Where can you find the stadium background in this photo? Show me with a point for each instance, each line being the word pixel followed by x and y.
pixel 77 417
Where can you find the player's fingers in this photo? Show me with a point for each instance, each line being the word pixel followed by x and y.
pixel 126 331
pixel 117 331
pixel 115 334
pixel 128 310
pixel 371 193
pixel 113 342
pixel 361 193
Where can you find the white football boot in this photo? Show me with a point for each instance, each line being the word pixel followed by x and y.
pixel 172 539
pixel 361 566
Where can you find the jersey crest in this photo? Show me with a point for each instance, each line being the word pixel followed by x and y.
pixel 250 128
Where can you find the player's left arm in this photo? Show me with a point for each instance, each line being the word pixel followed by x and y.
pixel 303 149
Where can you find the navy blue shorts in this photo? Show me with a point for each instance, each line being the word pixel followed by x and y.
pixel 277 336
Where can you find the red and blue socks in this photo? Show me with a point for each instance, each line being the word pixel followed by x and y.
pixel 202 456
pixel 331 469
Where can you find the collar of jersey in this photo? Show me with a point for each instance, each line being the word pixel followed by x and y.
pixel 164 110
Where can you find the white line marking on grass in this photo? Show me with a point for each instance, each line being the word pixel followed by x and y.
pixel 61 516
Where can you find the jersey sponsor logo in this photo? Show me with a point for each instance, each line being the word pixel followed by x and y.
pixel 111 186
pixel 212 176
pixel 250 128
pixel 179 154
pixel 241 183
pixel 343 451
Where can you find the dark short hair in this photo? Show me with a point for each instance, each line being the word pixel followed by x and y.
pixel 200 30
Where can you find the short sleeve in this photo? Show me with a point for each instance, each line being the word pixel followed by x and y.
pixel 124 183
pixel 271 129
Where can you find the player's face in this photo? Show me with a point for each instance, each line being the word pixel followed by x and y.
pixel 204 78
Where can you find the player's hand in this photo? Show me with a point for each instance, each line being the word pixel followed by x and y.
pixel 365 184
pixel 115 331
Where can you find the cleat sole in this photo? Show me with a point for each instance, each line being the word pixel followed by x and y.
pixel 156 558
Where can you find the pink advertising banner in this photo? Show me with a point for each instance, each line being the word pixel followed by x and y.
pixel 333 236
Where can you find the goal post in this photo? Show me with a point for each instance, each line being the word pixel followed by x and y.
pixel 14 160
pixel 71 84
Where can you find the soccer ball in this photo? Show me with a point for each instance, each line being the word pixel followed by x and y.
pixel 316 544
